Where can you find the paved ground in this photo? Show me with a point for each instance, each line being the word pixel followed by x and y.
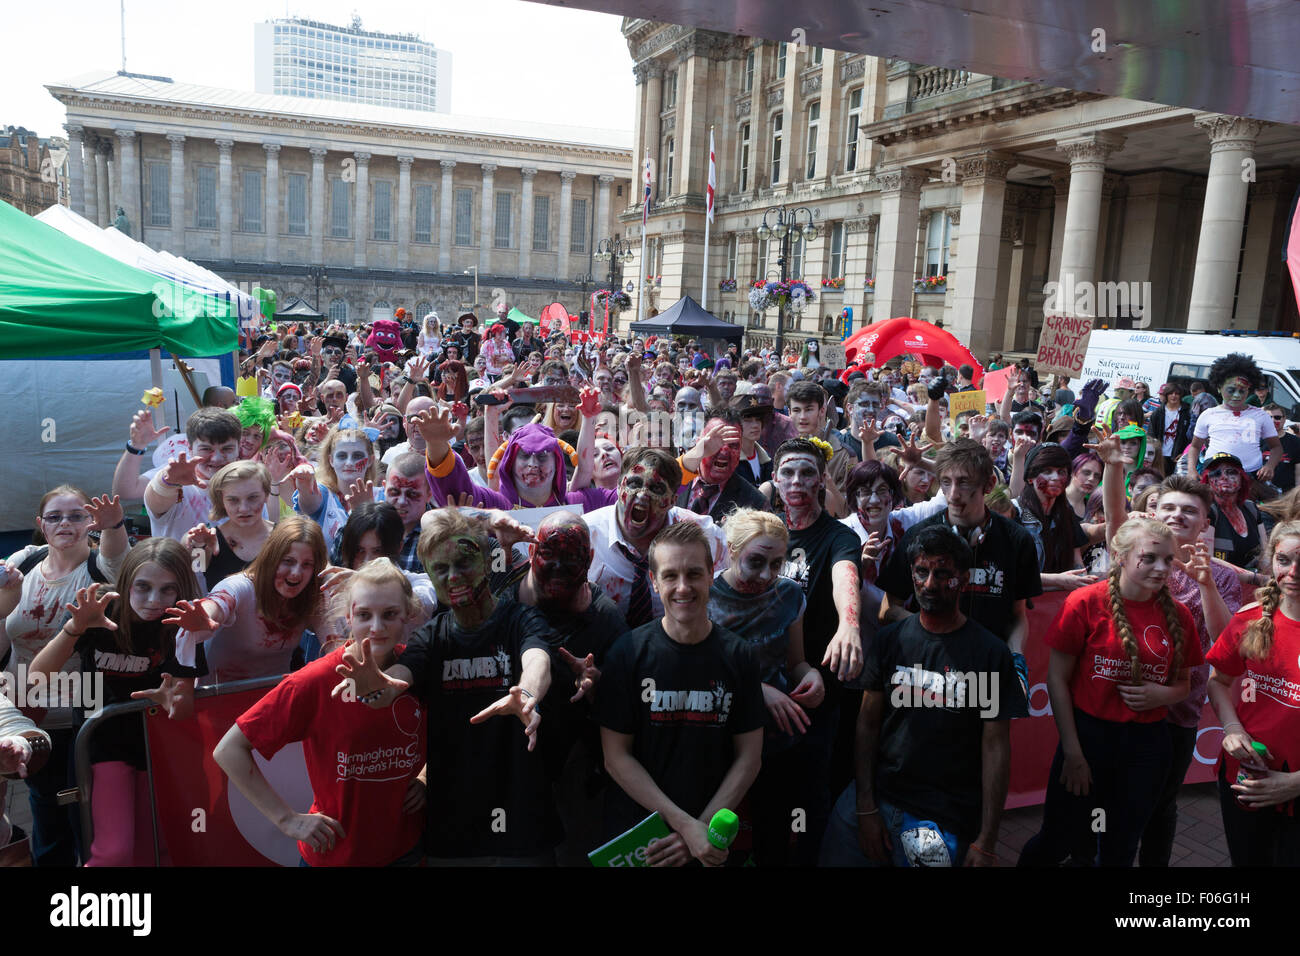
pixel 1199 841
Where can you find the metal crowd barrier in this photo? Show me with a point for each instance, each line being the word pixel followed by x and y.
pixel 81 794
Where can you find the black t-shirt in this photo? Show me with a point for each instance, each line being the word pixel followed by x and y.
pixel 929 760
pixel 1005 571
pixel 683 724
pixel 810 556
pixel 224 564
pixel 1284 476
pixel 592 631
pixel 478 770
pixel 121 738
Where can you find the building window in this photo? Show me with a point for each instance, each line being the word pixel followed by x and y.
pixel 749 71
pixel 541 223
pixel 936 244
pixel 670 90
pixel 837 251
pixel 796 258
pixel 205 197
pixel 382 214
pixel 744 157
pixel 464 217
pixel 423 212
pixel 733 249
pixel 422 309
pixel 338 310
pixel 760 266
pixel 814 116
pixel 160 184
pixel 854 122
pixel 340 209
pixel 250 207
pixel 780 62
pixel 381 310
pixel 815 56
pixel 504 220
pixel 578 231
pixel 666 184
pixel 297 203
pixel 776 149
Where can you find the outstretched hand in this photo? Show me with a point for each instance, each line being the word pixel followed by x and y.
pixel 585 674
pixel 190 616
pixel 520 703
pixel 105 512
pixel 90 609
pixel 183 470
pixel 1086 406
pixel 173 695
pixel 362 675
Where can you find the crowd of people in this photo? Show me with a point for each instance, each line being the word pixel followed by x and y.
pixel 739 580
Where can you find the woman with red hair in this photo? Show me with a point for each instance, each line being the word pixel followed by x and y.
pixel 1238 537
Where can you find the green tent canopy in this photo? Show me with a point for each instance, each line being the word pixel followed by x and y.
pixel 520 317
pixel 58 296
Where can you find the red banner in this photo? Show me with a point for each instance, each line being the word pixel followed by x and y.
pixel 202 818
pixel 1034 739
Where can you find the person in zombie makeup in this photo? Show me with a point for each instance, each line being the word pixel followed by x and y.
pixel 1236 427
pixel 621 533
pixel 585 622
pixel 490 800
pixel 257 417
pixel 710 484
pixel 347 465
pixel 680 708
pixel 1239 535
pixel 531 473
pixel 1046 514
pixel 333 395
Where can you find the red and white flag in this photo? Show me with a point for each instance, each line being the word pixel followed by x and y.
pixel 713 175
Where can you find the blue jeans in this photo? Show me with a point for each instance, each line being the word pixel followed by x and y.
pixel 840 844
pixel 56 830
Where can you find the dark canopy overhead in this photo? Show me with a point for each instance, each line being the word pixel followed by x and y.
pixel 296 308
pixel 687 317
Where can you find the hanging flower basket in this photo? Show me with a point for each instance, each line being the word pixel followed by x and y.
pixel 619 301
pixel 727 285
pixel 931 284
pixel 792 292
pixel 869 285
pixel 833 284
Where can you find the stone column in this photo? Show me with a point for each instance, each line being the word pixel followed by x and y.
pixel 271 198
pixel 602 206
pixel 102 155
pixel 983 188
pixel 446 204
pixel 1061 187
pixel 76 174
pixel 130 200
pixel 526 223
pixel 318 205
pixel 226 201
pixel 857 262
pixel 176 197
pixel 361 211
pixel 1087 156
pixel 566 222
pixel 651 141
pixel 1232 140
pixel 486 233
pixel 92 206
pixel 404 211
pixel 900 199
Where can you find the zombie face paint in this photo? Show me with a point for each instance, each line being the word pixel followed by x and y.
pixel 410 496
pixel 799 479
pixel 391 428
pixel 609 460
pixel 1050 483
pixel 295 571
pixel 350 460
pixel 250 442
pixel 937 583
pixel 1225 482
pixel 644 497
pixel 727 387
pixel 566 416
pixel 1148 564
pixel 874 504
pixel 458 571
pixel 377 612
pixel 334 396
pixel 757 566
pixel 217 456
pixel 153 590
pixel 1236 392
pixel 718 469
pixel 533 470
pixel 368 548
pixel 1088 477
pixel 560 562
pixel 243 501
pixel 281 374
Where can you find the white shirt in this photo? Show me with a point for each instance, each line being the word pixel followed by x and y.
pixel 193 508
pixel 1238 435
pixel 614 572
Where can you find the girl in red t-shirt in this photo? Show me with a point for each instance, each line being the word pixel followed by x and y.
pixel 366 766
pixel 1262 647
pixel 1120 653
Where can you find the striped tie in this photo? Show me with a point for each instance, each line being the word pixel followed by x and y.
pixel 639 609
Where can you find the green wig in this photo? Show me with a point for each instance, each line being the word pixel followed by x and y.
pixel 257 413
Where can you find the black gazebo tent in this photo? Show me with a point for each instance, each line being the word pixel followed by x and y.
pixel 687 317
pixel 297 309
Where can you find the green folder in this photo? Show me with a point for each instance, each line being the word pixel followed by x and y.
pixel 629 849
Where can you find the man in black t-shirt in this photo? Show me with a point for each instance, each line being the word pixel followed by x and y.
pixel 934 735
pixel 680 708
pixel 1284 475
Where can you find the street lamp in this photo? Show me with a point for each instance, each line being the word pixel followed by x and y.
pixel 615 251
pixel 786 229
pixel 318 274
pixel 474 269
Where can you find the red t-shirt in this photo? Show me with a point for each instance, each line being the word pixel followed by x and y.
pixel 1084 629
pixel 1269 708
pixel 360 760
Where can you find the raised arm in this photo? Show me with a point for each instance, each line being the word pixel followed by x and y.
pixel 127 483
pixel 636 396
pixel 589 406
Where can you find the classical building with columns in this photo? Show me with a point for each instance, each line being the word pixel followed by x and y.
pixel 1000 186
pixel 385 207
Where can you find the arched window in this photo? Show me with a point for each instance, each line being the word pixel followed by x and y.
pixel 338 310
pixel 381 310
pixel 422 309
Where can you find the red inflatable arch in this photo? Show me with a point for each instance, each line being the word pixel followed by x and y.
pixel 906 336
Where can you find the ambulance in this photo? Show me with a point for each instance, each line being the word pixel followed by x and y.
pixel 1156 356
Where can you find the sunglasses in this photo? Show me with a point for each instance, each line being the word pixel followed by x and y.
pixel 74 519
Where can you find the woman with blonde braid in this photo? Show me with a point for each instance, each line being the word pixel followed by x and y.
pixel 1121 650
pixel 1262 646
